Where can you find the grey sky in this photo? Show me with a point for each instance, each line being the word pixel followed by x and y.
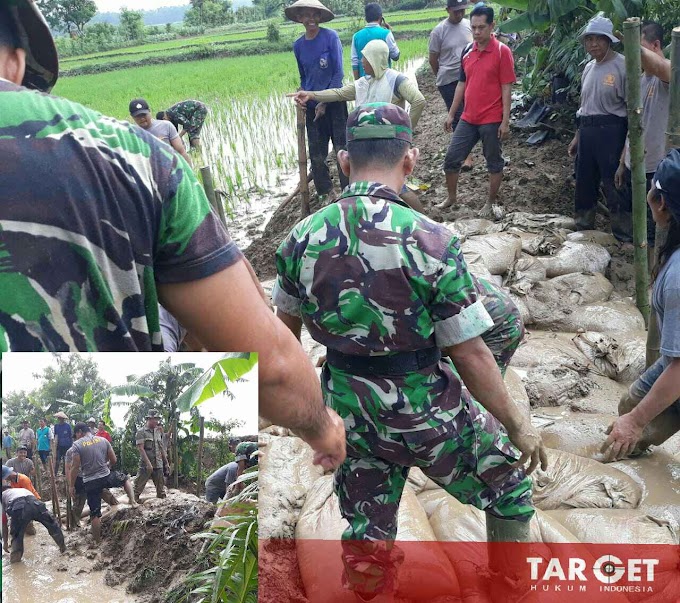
pixel 18 369
pixel 105 6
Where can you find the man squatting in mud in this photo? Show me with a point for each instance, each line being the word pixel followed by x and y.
pixel 388 292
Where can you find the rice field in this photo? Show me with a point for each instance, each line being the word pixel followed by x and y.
pixel 249 137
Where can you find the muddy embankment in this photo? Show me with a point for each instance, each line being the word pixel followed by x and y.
pixel 585 344
pixel 144 553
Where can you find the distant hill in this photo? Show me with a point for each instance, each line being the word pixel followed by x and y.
pixel 159 16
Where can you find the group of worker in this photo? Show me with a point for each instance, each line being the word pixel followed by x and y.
pixel 415 349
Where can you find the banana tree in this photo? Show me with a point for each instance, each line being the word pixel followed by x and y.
pixel 99 404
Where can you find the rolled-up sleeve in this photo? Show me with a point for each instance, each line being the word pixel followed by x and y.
pixel 457 313
pixel 393 48
pixel 285 294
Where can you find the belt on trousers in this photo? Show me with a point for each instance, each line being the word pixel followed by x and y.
pixel 400 363
pixel 600 120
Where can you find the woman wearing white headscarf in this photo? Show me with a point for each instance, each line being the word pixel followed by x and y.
pixel 380 85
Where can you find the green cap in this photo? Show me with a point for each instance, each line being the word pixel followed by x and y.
pixel 379 121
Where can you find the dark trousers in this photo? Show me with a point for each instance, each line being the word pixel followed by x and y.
pixel 24 511
pixel 448 91
pixel 61 454
pixel 599 152
pixel 331 127
pixel 627 191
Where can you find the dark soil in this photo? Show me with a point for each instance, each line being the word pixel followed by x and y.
pixel 537 180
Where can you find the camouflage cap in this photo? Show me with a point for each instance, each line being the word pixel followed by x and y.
pixel 379 120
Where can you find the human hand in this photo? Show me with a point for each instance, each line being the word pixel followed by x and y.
pixel 530 444
pixel 320 111
pixel 329 447
pixel 504 130
pixel 72 491
pixel 448 124
pixel 573 147
pixel 301 98
pixel 149 466
pixel 619 176
pixel 385 24
pixel 624 434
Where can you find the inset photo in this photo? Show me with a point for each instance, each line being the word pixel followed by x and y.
pixel 129 478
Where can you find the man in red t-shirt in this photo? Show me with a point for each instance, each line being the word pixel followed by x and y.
pixel 487 73
pixel 102 433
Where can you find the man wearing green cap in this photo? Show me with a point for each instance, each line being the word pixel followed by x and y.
pixel 153 461
pixel 387 290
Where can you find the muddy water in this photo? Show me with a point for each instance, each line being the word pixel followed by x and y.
pixel 252 148
pixel 47 576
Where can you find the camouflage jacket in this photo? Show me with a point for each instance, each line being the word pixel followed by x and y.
pixel 188 113
pixel 93 213
pixel 368 275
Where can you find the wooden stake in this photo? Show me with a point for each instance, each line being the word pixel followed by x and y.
pixel 55 496
pixel 302 162
pixel 215 200
pixel 199 479
pixel 631 34
pixel 176 455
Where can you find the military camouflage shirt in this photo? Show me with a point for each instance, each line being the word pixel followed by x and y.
pixel 244 452
pixel 153 445
pixel 188 113
pixel 93 213
pixel 368 275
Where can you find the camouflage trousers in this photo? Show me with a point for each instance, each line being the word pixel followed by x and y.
pixel 196 121
pixel 470 456
pixel 143 476
pixel 508 329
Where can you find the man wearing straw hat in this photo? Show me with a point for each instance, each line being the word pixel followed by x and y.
pixel 64 436
pixel 318 53
pixel 119 225
pixel 602 127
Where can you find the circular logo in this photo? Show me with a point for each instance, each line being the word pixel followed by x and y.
pixel 609 569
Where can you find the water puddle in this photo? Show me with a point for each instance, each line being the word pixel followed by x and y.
pixel 47 576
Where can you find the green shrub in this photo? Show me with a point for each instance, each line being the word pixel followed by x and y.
pixel 273 32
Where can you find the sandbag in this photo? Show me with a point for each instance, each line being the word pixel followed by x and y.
pixel 608 241
pixel 286 472
pixel 575 482
pixel 522 275
pixel 573 289
pixel 520 303
pixel 541 348
pixel 425 574
pixel 577 257
pixel 578 433
pixel 612 318
pixel 541 243
pixel 263 423
pixel 537 222
pixel 622 362
pixel 465 228
pixel 419 482
pixel 556 385
pixel 496 251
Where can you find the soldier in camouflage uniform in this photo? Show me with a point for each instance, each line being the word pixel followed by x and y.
pixel 190 114
pixel 152 458
pixel 385 289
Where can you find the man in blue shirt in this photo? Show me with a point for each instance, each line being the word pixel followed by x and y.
pixel 7 444
pixel 64 435
pixel 376 28
pixel 319 58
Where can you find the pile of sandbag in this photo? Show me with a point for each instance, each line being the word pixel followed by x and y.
pixel 426 573
pixel 622 358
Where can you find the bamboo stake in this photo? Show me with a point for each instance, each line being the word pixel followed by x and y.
pixel 631 34
pixel 672 141
pixel 200 458
pixel 302 162
pixel 175 481
pixel 55 496
pixel 215 201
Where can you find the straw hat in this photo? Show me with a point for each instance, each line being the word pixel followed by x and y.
pixel 293 11
pixel 60 415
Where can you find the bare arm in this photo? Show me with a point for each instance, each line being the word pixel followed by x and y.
pixel 257 283
pixel 408 90
pixel 434 62
pixel 506 95
pixel 226 312
pixel 178 145
pixel 294 323
pixel 656 65
pixel 111 455
pixel 481 376
pixel 75 466
pixel 458 97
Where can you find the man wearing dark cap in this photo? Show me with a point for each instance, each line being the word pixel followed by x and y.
pixel 152 458
pixel 447 41
pixel 160 128
pixel 387 290
pixel 99 223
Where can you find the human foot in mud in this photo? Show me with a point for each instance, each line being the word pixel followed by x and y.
pixel 492 210
pixel 467 165
pixel 446 204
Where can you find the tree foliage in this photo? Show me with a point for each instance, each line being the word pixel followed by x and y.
pixel 131 24
pixel 209 13
pixel 68 15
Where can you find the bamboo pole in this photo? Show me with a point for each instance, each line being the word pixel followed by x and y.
pixel 199 479
pixel 672 142
pixel 209 187
pixel 631 35
pixel 302 162
pixel 55 495
pixel 175 480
